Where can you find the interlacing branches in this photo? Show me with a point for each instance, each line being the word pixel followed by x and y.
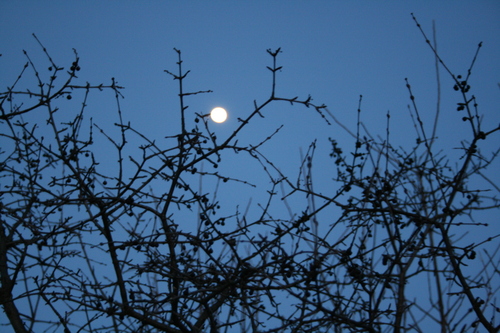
pixel 99 236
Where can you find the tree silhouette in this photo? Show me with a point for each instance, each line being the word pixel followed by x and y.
pixel 131 243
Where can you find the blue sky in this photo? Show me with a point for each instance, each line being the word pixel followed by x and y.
pixel 332 50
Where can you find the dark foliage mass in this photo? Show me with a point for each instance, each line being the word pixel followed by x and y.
pixel 97 243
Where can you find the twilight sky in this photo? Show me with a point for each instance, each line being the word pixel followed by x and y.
pixel 332 50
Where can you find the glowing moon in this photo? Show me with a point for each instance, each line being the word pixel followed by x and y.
pixel 219 115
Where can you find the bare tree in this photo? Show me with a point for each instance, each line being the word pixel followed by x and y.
pixel 138 246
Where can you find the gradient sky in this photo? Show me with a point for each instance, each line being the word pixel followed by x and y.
pixel 332 50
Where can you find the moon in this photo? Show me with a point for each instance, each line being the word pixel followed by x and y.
pixel 219 115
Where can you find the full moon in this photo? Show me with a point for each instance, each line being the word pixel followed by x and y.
pixel 219 115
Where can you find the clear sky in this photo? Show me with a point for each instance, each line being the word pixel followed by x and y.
pixel 332 50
